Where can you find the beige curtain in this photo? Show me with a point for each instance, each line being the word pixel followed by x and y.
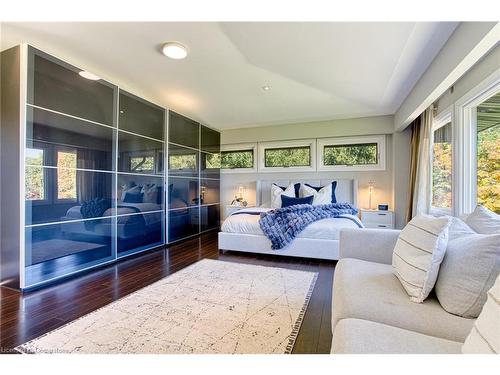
pixel 420 189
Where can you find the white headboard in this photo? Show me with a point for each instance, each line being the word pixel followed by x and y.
pixel 346 191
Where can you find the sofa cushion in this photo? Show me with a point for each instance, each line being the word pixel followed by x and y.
pixel 470 267
pixel 483 221
pixel 418 254
pixel 371 291
pixel 357 336
pixel 484 337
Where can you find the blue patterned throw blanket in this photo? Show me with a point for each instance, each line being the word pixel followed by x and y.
pixel 282 225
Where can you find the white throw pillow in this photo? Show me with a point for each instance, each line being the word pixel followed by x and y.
pixel 277 192
pixel 323 196
pixel 484 221
pixel 469 268
pixel 418 253
pixel 484 338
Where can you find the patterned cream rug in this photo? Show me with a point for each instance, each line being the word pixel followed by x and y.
pixel 209 307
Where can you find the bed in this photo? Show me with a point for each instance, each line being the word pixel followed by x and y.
pixel 320 240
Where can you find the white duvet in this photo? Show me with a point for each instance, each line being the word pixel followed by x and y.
pixel 326 229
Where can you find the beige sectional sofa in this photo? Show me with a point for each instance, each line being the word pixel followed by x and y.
pixel 372 313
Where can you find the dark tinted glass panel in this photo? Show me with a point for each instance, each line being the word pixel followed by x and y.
pixel 355 154
pixel 210 165
pixel 139 232
pixel 183 192
pixel 183 131
pixel 209 191
pixel 139 116
pixel 138 193
pixel 51 132
pixel 210 217
pixel 56 85
pixel 182 161
pixel 60 249
pixel 139 155
pixel 66 194
pixel 210 140
pixel 183 223
pixel 287 157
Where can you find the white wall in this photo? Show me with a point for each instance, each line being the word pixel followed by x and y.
pixel 465 47
pixel 479 72
pixel 385 181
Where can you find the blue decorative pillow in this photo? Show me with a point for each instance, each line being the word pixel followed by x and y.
pixel 133 198
pixel 318 188
pixel 289 201
pixel 296 187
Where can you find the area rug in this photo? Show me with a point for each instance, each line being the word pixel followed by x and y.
pixel 209 307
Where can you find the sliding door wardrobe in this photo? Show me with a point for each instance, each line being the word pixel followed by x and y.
pixel 84 181
pixel 193 178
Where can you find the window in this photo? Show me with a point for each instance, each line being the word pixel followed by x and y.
pixel 287 157
pixel 35 177
pixel 353 153
pixel 66 175
pixel 442 167
pixel 236 158
pixel 488 153
pixel 476 159
pixel 142 164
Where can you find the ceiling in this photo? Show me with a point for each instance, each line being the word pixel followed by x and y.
pixel 316 71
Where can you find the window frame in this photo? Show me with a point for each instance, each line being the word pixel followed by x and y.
pixel 380 140
pixel 311 143
pixel 240 147
pixel 438 122
pixel 465 143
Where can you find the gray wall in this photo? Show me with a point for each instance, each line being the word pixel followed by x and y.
pixel 385 181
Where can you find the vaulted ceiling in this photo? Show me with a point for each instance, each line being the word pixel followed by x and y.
pixel 316 71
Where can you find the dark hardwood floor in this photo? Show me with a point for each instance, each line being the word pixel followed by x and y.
pixel 29 315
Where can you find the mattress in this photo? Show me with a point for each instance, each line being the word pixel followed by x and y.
pixel 247 222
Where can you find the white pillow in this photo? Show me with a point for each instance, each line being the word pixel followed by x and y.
pixel 150 192
pixel 484 338
pixel 277 192
pixel 323 196
pixel 470 266
pixel 484 221
pixel 418 253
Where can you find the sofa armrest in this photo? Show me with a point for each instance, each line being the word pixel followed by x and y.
pixel 374 245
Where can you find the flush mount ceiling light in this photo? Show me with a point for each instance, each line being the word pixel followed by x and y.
pixel 266 88
pixel 89 75
pixel 174 50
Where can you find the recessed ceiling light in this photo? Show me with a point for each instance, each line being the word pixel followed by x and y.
pixel 89 75
pixel 174 50
pixel 266 88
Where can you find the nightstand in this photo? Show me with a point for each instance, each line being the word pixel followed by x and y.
pixel 377 219
pixel 232 209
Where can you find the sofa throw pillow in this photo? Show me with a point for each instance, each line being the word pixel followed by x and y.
pixel 484 221
pixel 150 192
pixel 469 268
pixel 289 201
pixel 277 191
pixel 418 253
pixel 484 338
pixel 321 194
pixel 131 190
